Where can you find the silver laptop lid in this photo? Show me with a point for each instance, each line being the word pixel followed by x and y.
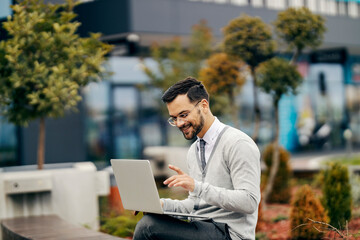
pixel 136 185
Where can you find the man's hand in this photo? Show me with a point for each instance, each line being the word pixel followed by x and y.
pixel 180 180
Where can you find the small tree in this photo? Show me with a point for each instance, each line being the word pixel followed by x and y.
pixel 222 76
pixel 306 206
pixel 249 39
pixel 300 28
pixel 277 77
pixel 282 179
pixel 336 190
pixel 45 64
pixel 176 62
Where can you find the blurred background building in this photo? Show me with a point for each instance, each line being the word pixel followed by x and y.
pixel 119 119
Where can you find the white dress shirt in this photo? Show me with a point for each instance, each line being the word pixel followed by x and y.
pixel 210 138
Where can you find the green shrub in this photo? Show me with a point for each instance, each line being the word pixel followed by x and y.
pixel 337 194
pixel 281 190
pixel 120 226
pixel 306 206
pixel 355 160
pixel 279 218
pixel 261 236
pixel 355 188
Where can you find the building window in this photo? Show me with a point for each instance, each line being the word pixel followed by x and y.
pixel 353 9
pixel 296 3
pixel 276 4
pixel 8 144
pixel 331 8
pixel 312 5
pixel 97 132
pixel 257 3
pixel 5 8
pixel 342 8
pixel 239 2
pixel 323 6
pixel 220 1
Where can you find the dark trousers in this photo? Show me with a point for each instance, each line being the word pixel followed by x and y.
pixel 161 227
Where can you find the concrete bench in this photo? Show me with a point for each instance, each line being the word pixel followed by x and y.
pixel 47 227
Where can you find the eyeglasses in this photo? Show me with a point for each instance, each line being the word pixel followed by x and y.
pixel 172 120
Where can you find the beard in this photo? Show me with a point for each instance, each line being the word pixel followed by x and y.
pixel 196 128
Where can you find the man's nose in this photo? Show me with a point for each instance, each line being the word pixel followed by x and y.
pixel 180 122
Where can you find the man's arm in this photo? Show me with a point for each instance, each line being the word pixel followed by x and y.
pixel 244 165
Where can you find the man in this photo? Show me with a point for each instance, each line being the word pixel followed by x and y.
pixel 224 174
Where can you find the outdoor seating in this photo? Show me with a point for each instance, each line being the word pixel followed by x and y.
pixel 47 227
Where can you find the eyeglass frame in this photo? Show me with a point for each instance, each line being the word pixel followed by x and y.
pixel 172 120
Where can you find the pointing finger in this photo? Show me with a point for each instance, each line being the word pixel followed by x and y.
pixel 176 169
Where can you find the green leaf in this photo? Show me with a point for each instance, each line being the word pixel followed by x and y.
pixel 40 58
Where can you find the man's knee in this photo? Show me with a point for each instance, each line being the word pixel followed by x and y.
pixel 144 226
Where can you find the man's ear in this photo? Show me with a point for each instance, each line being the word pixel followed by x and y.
pixel 205 105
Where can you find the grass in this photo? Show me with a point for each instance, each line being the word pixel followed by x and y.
pixel 120 226
pixel 279 218
pixel 353 160
pixel 261 236
pixel 123 224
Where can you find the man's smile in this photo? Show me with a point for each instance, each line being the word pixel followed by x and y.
pixel 185 128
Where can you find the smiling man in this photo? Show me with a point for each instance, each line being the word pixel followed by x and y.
pixel 224 174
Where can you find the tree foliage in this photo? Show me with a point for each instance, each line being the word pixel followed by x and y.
pixel 223 76
pixel 277 77
pixel 44 62
pixel 300 28
pixel 336 190
pixel 249 39
pixel 306 206
pixel 48 61
pixel 282 180
pixel 175 61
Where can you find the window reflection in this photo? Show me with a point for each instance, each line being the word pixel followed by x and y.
pixel 97 135
pixel 8 144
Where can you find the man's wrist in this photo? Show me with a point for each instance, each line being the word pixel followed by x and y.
pixel 197 188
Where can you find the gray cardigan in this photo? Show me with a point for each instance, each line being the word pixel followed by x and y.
pixel 228 190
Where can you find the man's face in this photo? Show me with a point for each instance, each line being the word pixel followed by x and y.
pixel 189 118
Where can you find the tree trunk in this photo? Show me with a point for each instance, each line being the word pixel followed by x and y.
pixel 41 144
pixel 275 159
pixel 234 110
pixel 295 57
pixel 255 135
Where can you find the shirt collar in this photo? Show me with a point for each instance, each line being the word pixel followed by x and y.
pixel 212 133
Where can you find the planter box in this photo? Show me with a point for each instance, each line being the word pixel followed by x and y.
pixel 71 193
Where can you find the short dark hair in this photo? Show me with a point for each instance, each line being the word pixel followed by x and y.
pixel 194 89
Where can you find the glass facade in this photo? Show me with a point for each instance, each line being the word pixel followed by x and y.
pixel 8 144
pixel 125 116
pixel 5 9
pixel 326 7
pixel 8 139
pixel 352 89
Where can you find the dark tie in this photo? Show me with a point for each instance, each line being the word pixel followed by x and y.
pixel 202 153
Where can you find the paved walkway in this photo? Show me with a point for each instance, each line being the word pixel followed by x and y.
pixel 311 161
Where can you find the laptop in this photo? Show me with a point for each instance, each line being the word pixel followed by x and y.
pixel 137 187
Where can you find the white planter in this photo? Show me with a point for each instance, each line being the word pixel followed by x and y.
pixel 70 193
